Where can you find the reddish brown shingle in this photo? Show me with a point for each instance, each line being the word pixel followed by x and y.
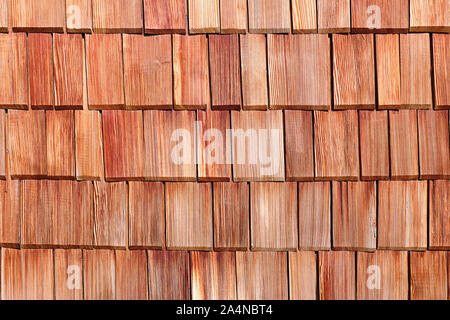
pixel 441 58
pixel 380 16
pixel 269 16
pixel 429 16
pixel 131 275
pixel 304 16
pixel 233 16
pixel 111 16
pixel 204 16
pixel 99 275
pixel 333 16
pixel 68 274
pixel 337 275
pixel 37 16
pixel 439 215
pixel 428 275
pixel 302 275
pixel 165 16
pixel 10 213
pixel 79 16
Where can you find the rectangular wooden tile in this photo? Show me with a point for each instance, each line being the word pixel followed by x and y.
pixel 382 275
pixel 262 275
pixel 273 216
pixel 4 15
pixel 146 215
pixel 434 145
pixel 304 16
pixel 190 71
pixel 3 128
pixel 189 215
pixel 165 16
pixel 68 68
pixel 269 16
pixel 213 275
pixel 258 145
pixel 233 16
pixel 40 55
pixel 110 215
pixel 380 16
pixel 428 275
pixel 168 275
pixel 123 144
pixel 169 138
pixel 104 71
pixel 11 274
pixel 131 275
pixel 79 16
pixel 439 215
pixel 27 144
pixel 336 133
pixel 402 215
pixel 68 274
pixel 10 200
pixel 441 64
pixel 117 16
pixel 60 127
pixel 37 16
pixel 337 275
pixel 388 70
pixel 14 68
pixel 333 16
pixel 254 72
pixel 204 16
pixel 299 71
pixel 99 275
pixel 374 145
pixel 353 71
pixel 88 144
pixel 225 72
pixel 354 215
pixel 231 216
pixel 302 275
pixel 298 127
pixel 147 71
pixel 429 16
pixel 403 140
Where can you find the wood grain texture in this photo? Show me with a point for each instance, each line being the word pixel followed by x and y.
pixel 146 215
pixel 333 16
pixel 391 268
pixel 165 16
pixel 204 16
pixel 231 215
pixel 374 145
pixel 336 145
pixel 337 275
pixel 225 72
pixel 110 215
pixel 88 144
pixel 302 275
pixel 117 16
pixel 388 70
pixel 148 71
pixel 68 68
pixel 258 145
pixel 169 152
pixel 403 144
pixel 273 216
pixel 104 71
pixel 314 215
pixel 27 144
pixel 131 275
pixel 354 215
pixel 168 275
pixel 99 275
pixel 299 71
pixel 233 16
pixel 441 64
pixel 14 68
pixel 393 16
pixel 68 274
pixel 10 213
pixel 439 215
pixel 298 128
pixel 79 16
pixel 189 215
pixel 4 15
pixel 429 16
pixel 269 16
pixel 190 71
pixel 262 275
pixel 40 68
pixel 37 16
pixel 213 275
pixel 254 72
pixel 402 215
pixel 123 144
pixel 353 71
pixel 434 145
pixel 304 16
pixel 428 275
pixel 3 128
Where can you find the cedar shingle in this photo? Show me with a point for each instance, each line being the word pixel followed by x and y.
pixel 441 60
pixel 165 16
pixel 79 16
pixel 429 16
pixel 68 274
pixel 302 275
pixel 269 16
pixel 4 15
pixel 333 16
pixel 99 275
pixel 204 16
pixel 337 275
pixel 10 213
pixel 37 16
pixel 111 16
pixel 131 275
pixel 439 215
pixel 388 70
pixel 233 16
pixel 428 275
pixel 3 126
pixel 304 16
pixel 380 16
